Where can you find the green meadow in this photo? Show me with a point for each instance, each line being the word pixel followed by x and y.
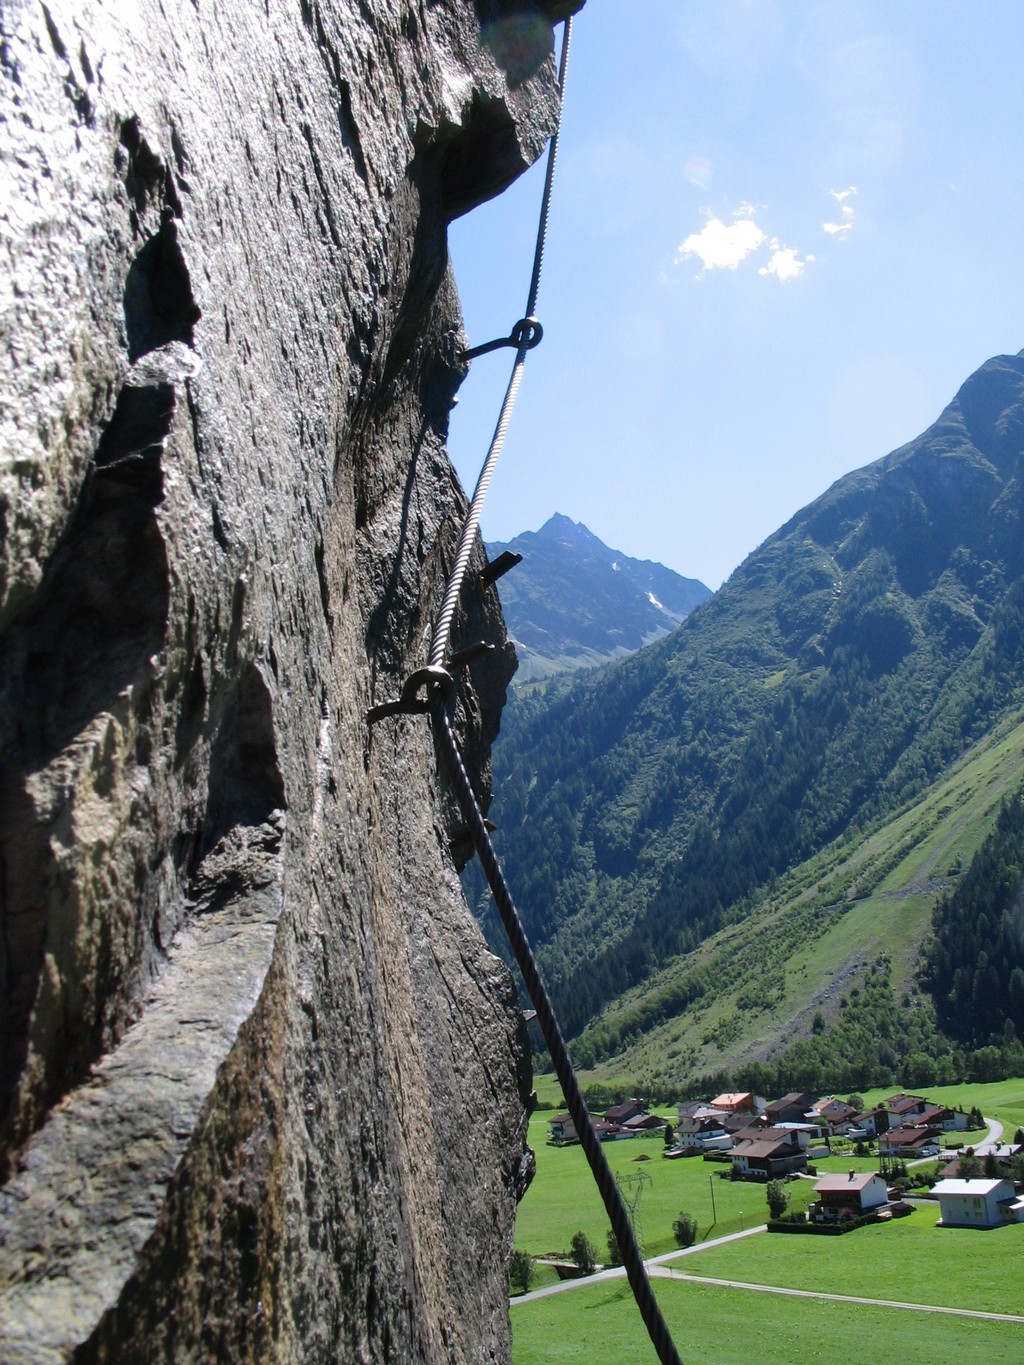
pixel 563 1198
pixel 713 1325
pixel 909 1260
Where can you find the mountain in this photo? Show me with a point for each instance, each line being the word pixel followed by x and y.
pixel 573 602
pixel 750 769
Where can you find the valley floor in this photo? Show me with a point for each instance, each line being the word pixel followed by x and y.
pixel 906 1290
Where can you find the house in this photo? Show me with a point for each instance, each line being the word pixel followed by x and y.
pixel 797 1134
pixel 978 1203
pixel 847 1196
pixel 905 1110
pixel 702 1135
pixel 767 1158
pixel 791 1108
pixel 909 1143
pixel 872 1122
pixel 619 1113
pixel 562 1130
pixel 643 1123
pixel 835 1115
pixel 739 1102
pixel 740 1123
pixel 940 1116
pixel 805 1132
pixel 687 1109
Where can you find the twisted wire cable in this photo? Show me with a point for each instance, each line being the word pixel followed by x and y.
pixel 438 697
pixel 615 1207
pixel 442 630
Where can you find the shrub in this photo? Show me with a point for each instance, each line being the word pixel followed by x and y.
pixel 778 1198
pixel 614 1254
pixel 583 1252
pixel 685 1229
pixel 521 1270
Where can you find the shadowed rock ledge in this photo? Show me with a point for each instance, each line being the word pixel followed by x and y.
pixel 261 1086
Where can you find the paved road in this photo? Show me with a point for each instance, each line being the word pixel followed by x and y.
pixel 992 1138
pixel 668 1272
pixel 618 1273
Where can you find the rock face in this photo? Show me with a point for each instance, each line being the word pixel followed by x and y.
pixel 262 1088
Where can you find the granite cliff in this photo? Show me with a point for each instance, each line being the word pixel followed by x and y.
pixel 261 1086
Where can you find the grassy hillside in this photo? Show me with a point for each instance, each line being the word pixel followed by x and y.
pixel 718 840
pixel 757 986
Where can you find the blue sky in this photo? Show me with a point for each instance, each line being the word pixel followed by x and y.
pixel 783 234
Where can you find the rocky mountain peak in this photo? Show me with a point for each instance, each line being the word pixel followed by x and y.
pixel 573 602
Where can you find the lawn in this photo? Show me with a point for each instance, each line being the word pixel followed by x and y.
pixel 718 1326
pixel 563 1197
pixel 910 1260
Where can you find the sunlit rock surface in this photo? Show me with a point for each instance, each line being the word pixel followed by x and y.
pixel 262 1088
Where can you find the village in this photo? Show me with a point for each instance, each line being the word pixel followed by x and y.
pixel 752 1139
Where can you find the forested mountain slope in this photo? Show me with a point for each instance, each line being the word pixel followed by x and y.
pixel 851 659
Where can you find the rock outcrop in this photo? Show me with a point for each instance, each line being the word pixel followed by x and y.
pixel 262 1090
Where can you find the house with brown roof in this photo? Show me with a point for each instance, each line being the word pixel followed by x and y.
pixel 562 1130
pixel 791 1108
pixel 702 1135
pixel 767 1158
pixel 643 1123
pixel 847 1196
pixel 909 1143
pixel 941 1116
pixel 834 1115
pixel 871 1122
pixel 619 1113
pixel 798 1134
pixel 905 1109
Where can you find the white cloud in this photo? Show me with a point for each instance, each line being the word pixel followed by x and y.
pixel 722 246
pixel 845 223
pixel 784 262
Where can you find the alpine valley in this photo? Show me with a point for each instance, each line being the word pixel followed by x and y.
pixel 782 847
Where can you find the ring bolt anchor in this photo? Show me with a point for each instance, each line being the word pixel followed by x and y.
pixel 524 336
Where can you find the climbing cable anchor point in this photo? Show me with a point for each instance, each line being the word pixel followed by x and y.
pixel 409 703
pixel 524 336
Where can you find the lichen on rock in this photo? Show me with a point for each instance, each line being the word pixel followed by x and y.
pixel 261 1094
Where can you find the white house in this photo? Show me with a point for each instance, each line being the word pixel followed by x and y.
pixel 702 1135
pixel 848 1196
pixel 978 1202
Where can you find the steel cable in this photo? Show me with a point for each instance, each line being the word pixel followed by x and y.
pixel 618 1215
pixel 438 695
pixel 443 628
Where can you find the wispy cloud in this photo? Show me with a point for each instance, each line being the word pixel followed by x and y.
pixel 699 171
pixel 846 214
pixel 722 246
